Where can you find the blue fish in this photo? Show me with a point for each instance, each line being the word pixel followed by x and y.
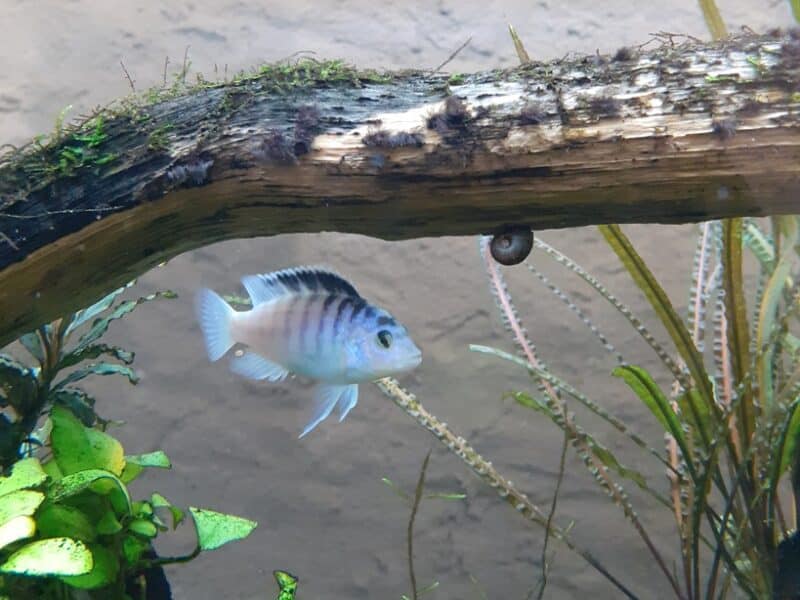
pixel 311 322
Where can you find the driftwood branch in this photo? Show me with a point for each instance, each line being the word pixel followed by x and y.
pixel 673 134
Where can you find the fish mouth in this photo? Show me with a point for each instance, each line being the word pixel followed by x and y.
pixel 414 360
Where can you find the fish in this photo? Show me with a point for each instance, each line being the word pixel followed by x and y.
pixel 311 322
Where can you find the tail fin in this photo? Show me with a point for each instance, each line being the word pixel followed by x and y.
pixel 215 317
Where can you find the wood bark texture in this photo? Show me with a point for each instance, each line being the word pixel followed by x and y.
pixel 665 133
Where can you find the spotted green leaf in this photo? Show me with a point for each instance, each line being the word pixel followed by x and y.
pixel 19 503
pixel 26 473
pixel 216 529
pixel 52 556
pixel 104 570
pixel 18 528
pixel 78 448
pixel 287 585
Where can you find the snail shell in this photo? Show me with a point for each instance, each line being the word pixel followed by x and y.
pixel 512 244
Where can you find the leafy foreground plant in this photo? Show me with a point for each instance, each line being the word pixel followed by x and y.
pixel 732 421
pixel 68 525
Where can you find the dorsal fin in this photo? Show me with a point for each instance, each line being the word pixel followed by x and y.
pixel 300 281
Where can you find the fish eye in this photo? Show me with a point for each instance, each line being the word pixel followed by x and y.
pixel 385 338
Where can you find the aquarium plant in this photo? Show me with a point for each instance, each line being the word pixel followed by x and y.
pixel 731 416
pixel 69 527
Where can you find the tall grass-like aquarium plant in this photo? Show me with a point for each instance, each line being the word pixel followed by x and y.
pixel 731 416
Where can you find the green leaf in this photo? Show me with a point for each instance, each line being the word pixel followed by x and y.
pixel 52 470
pixel 53 556
pixel 769 309
pixel 216 529
pixel 18 528
pixel 133 547
pixel 19 503
pixel 738 331
pixel 61 520
pixel 98 369
pixel 287 584
pixel 82 316
pixel 694 412
pixel 108 524
pixel 130 472
pixel 104 570
pixel 151 459
pixel 395 488
pixel 83 480
pixel 599 451
pixel 532 402
pixel 78 402
pixel 446 496
pixel 643 385
pixel 78 448
pixel 660 302
pixel 100 326
pixel 759 244
pixel 143 509
pixel 143 527
pixel 26 473
pixel 791 439
pixel 158 501
pixel 93 351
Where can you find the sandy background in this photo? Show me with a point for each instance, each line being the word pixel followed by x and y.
pixel 323 512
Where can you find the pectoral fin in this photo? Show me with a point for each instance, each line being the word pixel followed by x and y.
pixel 326 396
pixel 347 401
pixel 253 366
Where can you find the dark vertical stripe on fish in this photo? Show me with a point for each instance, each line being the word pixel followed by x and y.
pixel 359 305
pixel 287 321
pixel 323 319
pixel 347 300
pixel 304 323
pixel 386 320
pixel 290 280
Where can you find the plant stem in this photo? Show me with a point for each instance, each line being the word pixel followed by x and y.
pixel 484 470
pixel 550 516
pixel 410 534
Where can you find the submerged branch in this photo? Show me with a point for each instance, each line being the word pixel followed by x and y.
pixel 674 134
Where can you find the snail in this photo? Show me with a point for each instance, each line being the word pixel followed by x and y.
pixel 512 244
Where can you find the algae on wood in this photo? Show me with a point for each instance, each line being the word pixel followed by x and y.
pixel 673 134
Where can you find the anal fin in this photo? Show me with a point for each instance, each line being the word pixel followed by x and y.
pixel 254 366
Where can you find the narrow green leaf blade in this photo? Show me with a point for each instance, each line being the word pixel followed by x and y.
pixel 93 351
pixel 100 326
pixel 82 316
pixel 662 305
pixel 98 369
